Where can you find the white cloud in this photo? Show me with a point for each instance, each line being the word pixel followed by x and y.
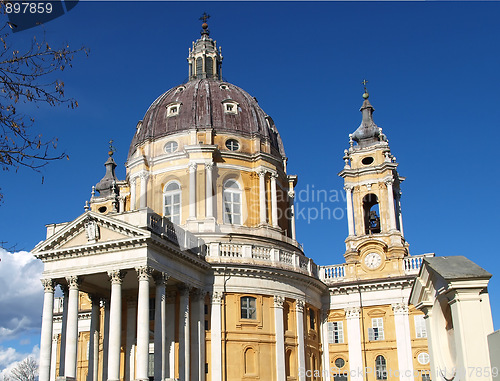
pixel 21 297
pixel 9 358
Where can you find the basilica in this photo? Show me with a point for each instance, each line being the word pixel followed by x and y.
pixel 189 268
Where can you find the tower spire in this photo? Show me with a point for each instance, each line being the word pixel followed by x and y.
pixel 204 59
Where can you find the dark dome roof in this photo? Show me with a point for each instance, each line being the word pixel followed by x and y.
pixel 202 106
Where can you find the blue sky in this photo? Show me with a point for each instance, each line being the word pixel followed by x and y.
pixel 433 80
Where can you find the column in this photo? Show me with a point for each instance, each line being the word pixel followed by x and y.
pixel 216 337
pixel 280 337
pixel 400 215
pixel 121 204
pixel 326 346
pixel 130 338
pixel 93 340
pixel 144 190
pixel 53 359
pixel 105 343
pixel 274 200
pixel 262 196
pixel 198 336
pixel 354 335
pixel 64 327
pixel 403 341
pixel 192 190
pixel 350 217
pixel 291 195
pixel 132 193
pixel 390 200
pixel 143 274
pixel 170 334
pixel 184 338
pixel 301 349
pixel 159 328
pixel 209 168
pixel 115 324
pixel 46 334
pixel 72 328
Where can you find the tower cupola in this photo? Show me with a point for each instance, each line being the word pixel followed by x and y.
pixel 368 133
pixel 205 61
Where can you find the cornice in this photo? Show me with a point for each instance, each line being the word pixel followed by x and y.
pixel 370 285
pixel 385 166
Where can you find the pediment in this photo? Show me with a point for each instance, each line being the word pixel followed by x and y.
pixel 90 229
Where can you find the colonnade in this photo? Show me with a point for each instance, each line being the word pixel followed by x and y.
pixel 191 361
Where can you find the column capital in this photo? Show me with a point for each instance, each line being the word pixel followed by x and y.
pixel 389 182
pixel 74 282
pixel 48 285
pixel 144 272
pixel 352 312
pixel 400 308
pixel 116 276
pixel 95 299
pixel 184 290
pixel 261 172
pixel 192 167
pixel 291 194
pixel 348 187
pixel 198 294
pixel 160 278
pixel 170 296
pixel 217 297
pixel 299 305
pixel 278 301
pixel 209 166
pixel 273 175
pixel 143 175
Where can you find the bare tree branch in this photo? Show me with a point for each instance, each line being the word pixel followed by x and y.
pixel 26 370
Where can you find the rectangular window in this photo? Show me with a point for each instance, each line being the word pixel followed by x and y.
pixel 420 328
pixel 426 377
pixel 312 319
pixel 376 333
pixel 336 332
pixel 248 308
pixel 151 365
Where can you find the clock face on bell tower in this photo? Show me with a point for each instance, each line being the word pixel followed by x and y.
pixel 373 260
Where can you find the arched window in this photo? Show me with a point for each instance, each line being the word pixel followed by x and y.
pixel 209 67
pixel 199 67
pixel 232 203
pixel 250 366
pixel 380 368
pixel 172 202
pixel 371 214
pixel 289 363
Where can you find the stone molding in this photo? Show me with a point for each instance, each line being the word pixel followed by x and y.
pixel 278 301
pixel 160 278
pixel 217 297
pixel 299 305
pixel 184 290
pixel 198 294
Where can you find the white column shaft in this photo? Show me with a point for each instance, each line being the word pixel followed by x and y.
pixel 301 349
pixel 93 346
pixel 326 350
pixel 390 200
pixel 280 343
pixel 274 201
pixel 403 344
pixel 105 344
pixel 209 190
pixel 115 331
pixel 72 333
pixel 144 192
pixel 201 338
pixel 130 340
pixel 195 343
pixel 262 197
pixel 192 190
pixel 133 194
pixel 142 329
pixel 170 336
pixel 216 338
pixel 64 329
pixel 159 332
pixel 400 214
pixel 53 359
pixel 350 217
pixel 184 342
pixel 355 353
pixel 46 334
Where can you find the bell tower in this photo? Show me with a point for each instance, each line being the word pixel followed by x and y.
pixel 372 186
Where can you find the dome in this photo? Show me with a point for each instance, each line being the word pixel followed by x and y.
pixel 207 103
